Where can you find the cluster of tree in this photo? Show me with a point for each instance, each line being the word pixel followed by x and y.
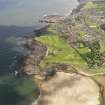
pixel 95 57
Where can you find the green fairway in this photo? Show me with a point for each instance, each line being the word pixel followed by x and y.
pixel 90 5
pixel 60 52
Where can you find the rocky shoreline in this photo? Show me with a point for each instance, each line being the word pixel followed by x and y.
pixel 35 53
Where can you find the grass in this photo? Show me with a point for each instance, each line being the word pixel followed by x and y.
pixel 84 50
pixel 90 5
pixel 102 44
pixel 60 51
pixel 82 33
pixel 94 25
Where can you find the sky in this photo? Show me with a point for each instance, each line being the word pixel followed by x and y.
pixel 27 12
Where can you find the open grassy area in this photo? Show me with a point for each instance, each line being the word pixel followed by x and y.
pixel 82 33
pixel 90 5
pixel 60 52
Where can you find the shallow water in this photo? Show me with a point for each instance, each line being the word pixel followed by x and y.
pixel 17 90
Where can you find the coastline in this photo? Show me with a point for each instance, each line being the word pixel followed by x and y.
pixel 35 46
pixel 73 12
pixel 38 33
pixel 52 19
pixel 68 78
pixel 29 43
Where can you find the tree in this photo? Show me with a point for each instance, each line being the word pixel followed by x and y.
pixel 95 58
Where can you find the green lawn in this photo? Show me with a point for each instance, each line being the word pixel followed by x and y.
pixel 90 5
pixel 82 33
pixel 102 44
pixel 60 51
